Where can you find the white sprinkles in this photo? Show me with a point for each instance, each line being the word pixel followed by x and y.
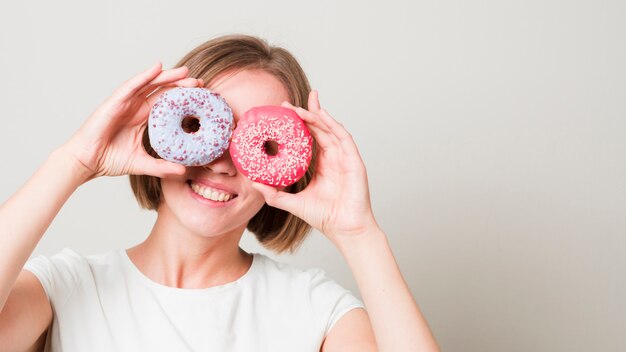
pixel 294 148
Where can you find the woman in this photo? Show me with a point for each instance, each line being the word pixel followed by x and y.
pixel 189 286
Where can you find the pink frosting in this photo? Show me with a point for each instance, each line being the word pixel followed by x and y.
pixel 278 124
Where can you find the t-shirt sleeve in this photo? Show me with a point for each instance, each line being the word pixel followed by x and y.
pixel 329 300
pixel 59 274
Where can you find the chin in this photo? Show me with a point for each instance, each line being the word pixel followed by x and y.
pixel 195 204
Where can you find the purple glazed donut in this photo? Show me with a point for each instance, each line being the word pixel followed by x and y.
pixel 210 114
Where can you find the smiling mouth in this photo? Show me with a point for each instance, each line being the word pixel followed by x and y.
pixel 210 193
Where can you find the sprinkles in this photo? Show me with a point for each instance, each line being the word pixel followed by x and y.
pixel 172 143
pixel 283 126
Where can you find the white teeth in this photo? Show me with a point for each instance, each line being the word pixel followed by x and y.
pixel 210 193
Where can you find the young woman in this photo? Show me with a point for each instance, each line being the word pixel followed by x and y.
pixel 189 286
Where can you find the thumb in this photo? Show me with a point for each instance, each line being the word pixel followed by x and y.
pixel 158 167
pixel 278 199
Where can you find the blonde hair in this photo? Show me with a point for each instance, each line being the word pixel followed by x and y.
pixel 276 229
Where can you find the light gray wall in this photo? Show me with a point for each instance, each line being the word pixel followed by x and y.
pixel 493 133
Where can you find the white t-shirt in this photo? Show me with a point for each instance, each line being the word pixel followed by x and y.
pixel 104 303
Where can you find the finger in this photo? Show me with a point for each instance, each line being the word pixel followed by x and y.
pixel 314 101
pixel 185 82
pixel 169 76
pixel 169 79
pixel 279 199
pixel 152 93
pixel 318 129
pixel 344 137
pixel 308 116
pixel 158 167
pixel 338 129
pixel 135 83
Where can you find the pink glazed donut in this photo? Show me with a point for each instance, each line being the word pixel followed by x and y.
pixel 272 145
pixel 213 122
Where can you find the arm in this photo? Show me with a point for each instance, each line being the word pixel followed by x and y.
pixel 396 319
pixel 25 312
pixel 27 214
pixel 337 203
pixel 106 145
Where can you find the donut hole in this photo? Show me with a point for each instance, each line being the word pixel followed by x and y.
pixel 270 147
pixel 190 124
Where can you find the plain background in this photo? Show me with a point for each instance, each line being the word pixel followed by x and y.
pixel 493 134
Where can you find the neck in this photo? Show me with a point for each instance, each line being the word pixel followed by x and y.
pixel 176 257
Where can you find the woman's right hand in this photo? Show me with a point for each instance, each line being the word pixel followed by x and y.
pixel 109 143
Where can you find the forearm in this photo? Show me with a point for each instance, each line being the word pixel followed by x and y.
pixel 396 319
pixel 26 215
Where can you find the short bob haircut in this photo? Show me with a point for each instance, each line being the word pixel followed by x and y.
pixel 276 229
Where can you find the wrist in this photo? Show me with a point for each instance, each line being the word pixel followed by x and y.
pixel 361 242
pixel 77 171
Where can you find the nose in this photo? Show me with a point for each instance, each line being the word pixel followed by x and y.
pixel 222 165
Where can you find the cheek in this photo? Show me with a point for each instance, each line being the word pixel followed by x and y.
pixel 173 187
pixel 256 197
pixel 255 209
pixel 167 191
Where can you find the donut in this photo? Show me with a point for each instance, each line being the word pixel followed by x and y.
pixel 271 145
pixel 190 126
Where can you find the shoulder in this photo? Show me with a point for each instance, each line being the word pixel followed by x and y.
pixel 292 275
pixel 59 274
pixel 70 261
pixel 325 299
pixel 316 280
pixel 66 264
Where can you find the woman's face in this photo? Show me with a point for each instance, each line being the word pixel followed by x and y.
pixel 185 197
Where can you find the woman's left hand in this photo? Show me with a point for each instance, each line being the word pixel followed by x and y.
pixel 337 200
